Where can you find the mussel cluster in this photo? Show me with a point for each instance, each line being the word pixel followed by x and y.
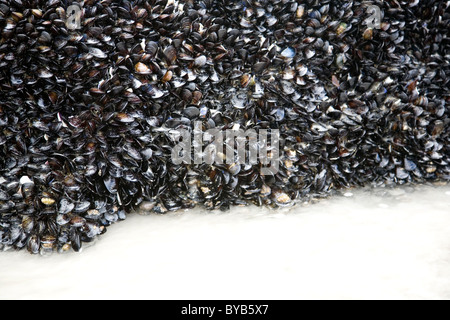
pixel 86 113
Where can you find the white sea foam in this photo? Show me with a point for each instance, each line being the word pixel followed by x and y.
pixel 392 244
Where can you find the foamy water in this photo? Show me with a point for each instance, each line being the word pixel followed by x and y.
pixel 387 244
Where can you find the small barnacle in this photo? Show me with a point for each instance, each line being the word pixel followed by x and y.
pixel 141 68
pixel 341 28
pixel 48 201
pixel 368 34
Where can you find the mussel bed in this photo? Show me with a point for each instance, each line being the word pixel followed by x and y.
pixel 87 113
